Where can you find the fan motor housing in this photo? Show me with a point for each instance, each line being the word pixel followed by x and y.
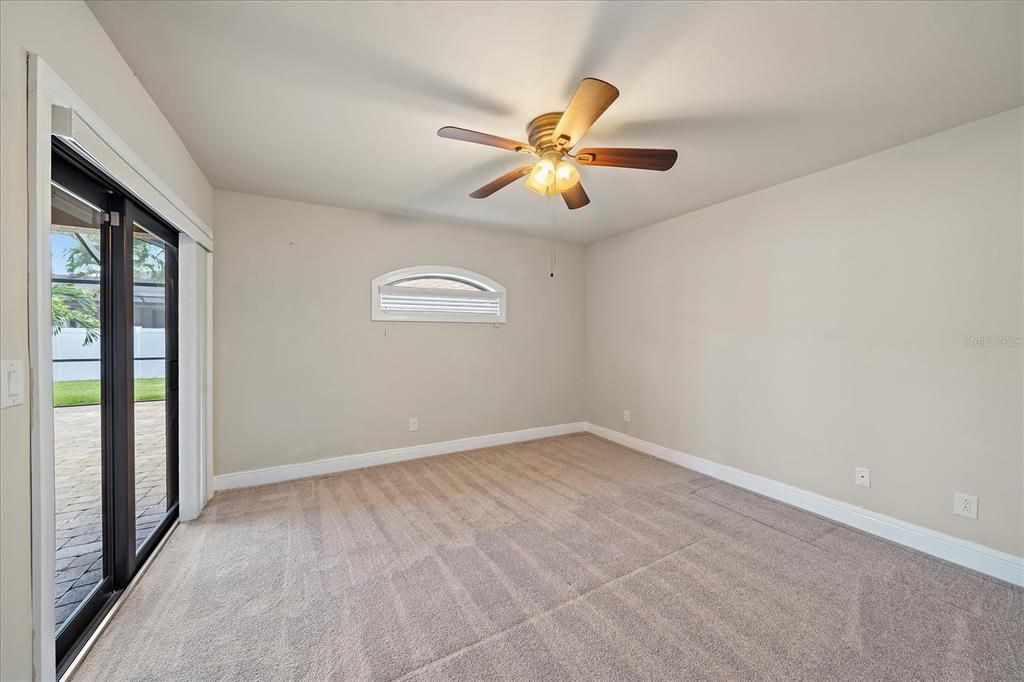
pixel 541 131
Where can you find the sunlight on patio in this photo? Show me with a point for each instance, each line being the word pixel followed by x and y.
pixel 79 529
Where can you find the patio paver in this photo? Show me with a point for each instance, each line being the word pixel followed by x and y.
pixel 79 563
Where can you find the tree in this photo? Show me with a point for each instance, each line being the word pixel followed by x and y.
pixel 147 259
pixel 73 304
pixel 80 261
pixel 70 303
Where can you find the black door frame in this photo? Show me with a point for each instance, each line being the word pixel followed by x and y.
pixel 67 172
pixel 136 214
pixel 121 558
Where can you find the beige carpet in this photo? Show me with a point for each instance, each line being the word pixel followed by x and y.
pixel 567 558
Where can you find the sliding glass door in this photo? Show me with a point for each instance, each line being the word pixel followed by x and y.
pixel 114 319
pixel 155 367
pixel 78 232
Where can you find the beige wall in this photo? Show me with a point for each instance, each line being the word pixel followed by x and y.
pixel 302 373
pixel 68 38
pixel 819 325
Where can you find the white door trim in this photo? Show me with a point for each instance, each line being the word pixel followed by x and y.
pixel 193 483
pixel 41 97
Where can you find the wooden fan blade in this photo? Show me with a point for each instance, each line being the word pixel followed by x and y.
pixel 575 197
pixel 453 133
pixel 506 179
pixel 620 157
pixel 590 100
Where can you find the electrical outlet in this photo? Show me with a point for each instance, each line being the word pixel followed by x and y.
pixel 862 477
pixel 965 505
pixel 414 424
pixel 626 417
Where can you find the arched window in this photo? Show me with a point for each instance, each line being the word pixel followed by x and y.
pixel 437 293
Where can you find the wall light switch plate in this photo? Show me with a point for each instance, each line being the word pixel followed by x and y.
pixel 626 416
pixel 862 477
pixel 965 505
pixel 12 383
pixel 414 423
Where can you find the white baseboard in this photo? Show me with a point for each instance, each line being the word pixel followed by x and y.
pixel 289 472
pixel 963 552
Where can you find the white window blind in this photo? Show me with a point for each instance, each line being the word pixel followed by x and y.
pixel 437 294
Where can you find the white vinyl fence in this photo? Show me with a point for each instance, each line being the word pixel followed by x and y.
pixel 69 345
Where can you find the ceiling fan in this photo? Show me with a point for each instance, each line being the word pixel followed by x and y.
pixel 551 137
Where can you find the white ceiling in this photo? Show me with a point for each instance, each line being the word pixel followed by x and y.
pixel 338 103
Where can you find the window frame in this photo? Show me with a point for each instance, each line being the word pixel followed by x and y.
pixel 486 284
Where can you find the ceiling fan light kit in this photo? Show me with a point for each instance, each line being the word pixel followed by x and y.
pixel 552 136
pixel 551 175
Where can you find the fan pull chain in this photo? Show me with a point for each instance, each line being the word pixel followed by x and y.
pixel 554 233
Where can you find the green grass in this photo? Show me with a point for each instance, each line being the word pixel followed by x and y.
pixel 67 393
